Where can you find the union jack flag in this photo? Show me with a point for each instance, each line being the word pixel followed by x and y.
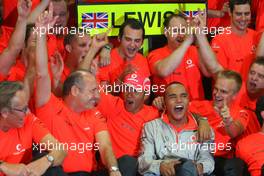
pixel 97 20
pixel 190 14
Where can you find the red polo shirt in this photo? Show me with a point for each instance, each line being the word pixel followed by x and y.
pixel 232 50
pixel 187 72
pixel 16 143
pixel 125 127
pixel 249 104
pixel 111 72
pixel 77 131
pixel 251 150
pixel 222 139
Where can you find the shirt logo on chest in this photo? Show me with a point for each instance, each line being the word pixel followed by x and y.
pixel 128 127
pixel 189 63
pixel 19 149
pixel 86 128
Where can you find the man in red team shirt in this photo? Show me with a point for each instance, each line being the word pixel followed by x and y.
pixel 73 120
pixel 81 50
pixel 131 35
pixel 125 119
pixel 178 60
pixel 230 54
pixel 76 47
pixel 228 120
pixel 251 91
pixel 251 148
pixel 18 128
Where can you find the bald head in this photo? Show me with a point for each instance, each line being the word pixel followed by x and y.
pixel 77 78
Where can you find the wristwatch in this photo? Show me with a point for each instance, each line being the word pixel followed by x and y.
pixel 108 47
pixel 203 118
pixel 113 169
pixel 50 159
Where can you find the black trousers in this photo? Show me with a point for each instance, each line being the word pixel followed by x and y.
pixel 127 164
pixel 228 167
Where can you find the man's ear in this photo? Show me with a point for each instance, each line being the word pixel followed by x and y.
pixel 75 90
pixel 262 114
pixel 229 12
pixel 166 32
pixel 68 48
pixel 146 96
pixel 119 39
pixel 5 113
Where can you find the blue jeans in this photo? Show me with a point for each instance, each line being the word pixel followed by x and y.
pixel 188 168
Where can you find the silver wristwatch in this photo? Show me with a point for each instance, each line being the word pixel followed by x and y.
pixel 50 159
pixel 113 169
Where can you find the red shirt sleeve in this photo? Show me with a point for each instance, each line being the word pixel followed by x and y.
pixel 100 123
pixel 47 112
pixel 96 118
pixel 153 58
pixel 108 104
pixel 39 130
pixel 242 116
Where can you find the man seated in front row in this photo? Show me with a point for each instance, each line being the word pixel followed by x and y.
pixel 228 120
pixel 251 148
pixel 73 120
pixel 169 144
pixel 18 128
pixel 127 117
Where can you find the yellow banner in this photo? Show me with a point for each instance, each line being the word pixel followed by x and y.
pixel 98 18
